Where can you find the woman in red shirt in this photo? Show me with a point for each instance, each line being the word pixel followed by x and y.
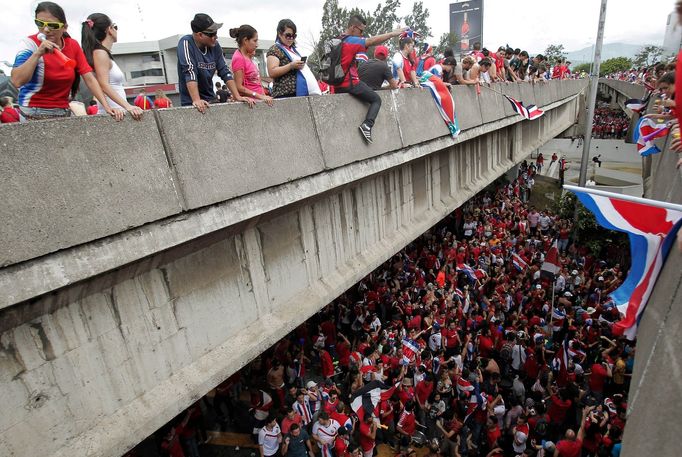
pixel 49 66
pixel 161 100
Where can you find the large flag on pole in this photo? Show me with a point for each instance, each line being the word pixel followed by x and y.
pixel 551 266
pixel 367 398
pixel 651 227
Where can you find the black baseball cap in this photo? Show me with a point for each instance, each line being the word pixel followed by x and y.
pixel 203 23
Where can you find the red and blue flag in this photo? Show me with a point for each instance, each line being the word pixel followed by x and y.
pixel 646 132
pixel 530 112
pixel 652 230
pixel 443 98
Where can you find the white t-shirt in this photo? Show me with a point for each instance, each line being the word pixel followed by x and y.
pixel 269 439
pixel 435 341
pixel 326 433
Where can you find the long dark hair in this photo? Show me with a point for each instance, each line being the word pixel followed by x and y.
pixel 58 12
pixel 94 31
pixel 245 32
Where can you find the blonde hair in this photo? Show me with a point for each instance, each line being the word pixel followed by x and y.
pixel 468 59
pixel 159 94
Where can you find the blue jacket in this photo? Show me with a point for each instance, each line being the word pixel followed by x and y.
pixel 195 65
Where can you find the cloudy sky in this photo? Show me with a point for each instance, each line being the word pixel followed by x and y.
pixel 527 24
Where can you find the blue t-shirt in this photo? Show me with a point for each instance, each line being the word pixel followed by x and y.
pixel 199 66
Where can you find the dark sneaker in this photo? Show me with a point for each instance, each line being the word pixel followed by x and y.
pixel 366 132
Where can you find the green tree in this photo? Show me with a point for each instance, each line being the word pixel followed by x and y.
pixel 582 67
pixel 418 19
pixel 447 41
pixel 587 232
pixel 614 65
pixel 334 22
pixel 648 55
pixel 554 52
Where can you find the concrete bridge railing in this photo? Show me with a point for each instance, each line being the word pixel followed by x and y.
pixel 143 263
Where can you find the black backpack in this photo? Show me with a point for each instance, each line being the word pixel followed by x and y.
pixel 331 70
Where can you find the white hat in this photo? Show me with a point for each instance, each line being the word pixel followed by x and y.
pixel 311 384
pixel 568 294
pixel 574 272
pixel 538 286
pixel 590 310
pixel 601 278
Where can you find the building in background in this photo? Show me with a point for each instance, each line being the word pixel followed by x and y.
pixel 153 64
pixel 466 23
pixel 672 42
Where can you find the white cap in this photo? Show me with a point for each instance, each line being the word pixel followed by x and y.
pixel 574 272
pixel 601 278
pixel 568 294
pixel 311 384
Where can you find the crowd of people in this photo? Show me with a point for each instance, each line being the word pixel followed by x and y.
pixel 610 123
pixel 476 350
pixel 50 65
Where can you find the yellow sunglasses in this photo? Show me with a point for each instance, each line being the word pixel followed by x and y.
pixel 49 25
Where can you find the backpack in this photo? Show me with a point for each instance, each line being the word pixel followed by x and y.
pixel 331 70
pixel 541 427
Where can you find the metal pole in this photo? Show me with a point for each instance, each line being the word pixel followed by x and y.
pixel 594 80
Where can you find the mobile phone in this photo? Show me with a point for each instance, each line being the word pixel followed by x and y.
pixel 304 58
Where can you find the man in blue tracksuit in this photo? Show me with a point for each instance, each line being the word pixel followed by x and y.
pixel 199 58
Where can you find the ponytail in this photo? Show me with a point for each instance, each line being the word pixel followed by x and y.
pixel 94 31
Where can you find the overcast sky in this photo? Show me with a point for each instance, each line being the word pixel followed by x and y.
pixel 527 24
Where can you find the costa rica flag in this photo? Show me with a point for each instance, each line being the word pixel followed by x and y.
pixel 651 227
pixel 530 112
pixel 366 399
pixel 518 262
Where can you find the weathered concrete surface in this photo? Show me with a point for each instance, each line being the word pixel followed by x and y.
pixel 28 279
pixel 418 119
pixel 94 367
pixel 69 181
pixel 236 153
pixel 337 120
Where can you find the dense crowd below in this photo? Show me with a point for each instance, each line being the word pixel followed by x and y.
pixel 473 334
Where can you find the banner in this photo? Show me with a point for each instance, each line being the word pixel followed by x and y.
pixel 466 23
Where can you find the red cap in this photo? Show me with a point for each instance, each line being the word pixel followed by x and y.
pixel 380 51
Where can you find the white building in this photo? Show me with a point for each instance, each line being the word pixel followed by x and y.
pixel 153 64
pixel 672 42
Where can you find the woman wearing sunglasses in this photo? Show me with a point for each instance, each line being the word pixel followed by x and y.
pixel 98 36
pixel 48 68
pixel 285 65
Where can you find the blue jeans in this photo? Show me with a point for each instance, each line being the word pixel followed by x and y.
pixel 30 114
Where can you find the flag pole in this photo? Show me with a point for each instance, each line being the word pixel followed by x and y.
pixel 594 80
pixel 627 198
pixel 551 310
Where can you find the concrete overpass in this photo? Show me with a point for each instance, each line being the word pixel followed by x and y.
pixel 145 262
pixel 620 91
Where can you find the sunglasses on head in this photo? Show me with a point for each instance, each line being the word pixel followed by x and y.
pixel 49 25
pixel 290 36
pixel 210 34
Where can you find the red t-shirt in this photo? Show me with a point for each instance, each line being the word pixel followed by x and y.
pixel 598 378
pixel 50 85
pixel 408 423
pixel 569 448
pixel 366 442
pixel 424 389
pixel 162 102
pixel 351 46
pixel 558 408
pixel 9 115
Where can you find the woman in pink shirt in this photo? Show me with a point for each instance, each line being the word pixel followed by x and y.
pixel 245 71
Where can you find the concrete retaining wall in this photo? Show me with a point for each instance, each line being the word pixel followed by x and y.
pixel 69 182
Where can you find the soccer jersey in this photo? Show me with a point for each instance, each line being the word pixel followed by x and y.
pixel 351 46
pixel 50 84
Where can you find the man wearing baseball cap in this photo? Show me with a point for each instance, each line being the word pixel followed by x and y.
pixel 199 58
pixel 375 71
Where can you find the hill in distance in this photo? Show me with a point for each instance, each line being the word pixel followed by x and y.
pixel 608 51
